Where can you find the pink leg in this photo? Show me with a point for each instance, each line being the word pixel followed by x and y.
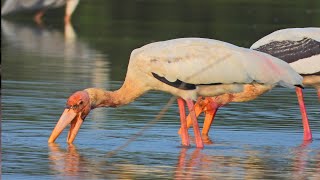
pixel 209 119
pixel 184 129
pixel 67 19
pixel 306 129
pixel 196 129
pixel 198 109
pixel 38 17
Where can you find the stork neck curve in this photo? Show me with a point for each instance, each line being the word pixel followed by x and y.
pixel 128 92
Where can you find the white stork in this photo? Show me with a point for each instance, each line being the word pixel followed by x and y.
pixel 186 68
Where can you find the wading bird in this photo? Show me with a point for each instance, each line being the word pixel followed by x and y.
pixel 186 68
pixel 12 6
pixel 298 46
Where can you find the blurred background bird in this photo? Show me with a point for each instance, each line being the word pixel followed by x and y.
pixel 39 6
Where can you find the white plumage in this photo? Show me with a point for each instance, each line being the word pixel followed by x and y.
pixel 206 61
pixel 296 42
pixel 11 6
pixel 308 65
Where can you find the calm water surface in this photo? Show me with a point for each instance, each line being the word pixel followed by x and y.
pixel 43 65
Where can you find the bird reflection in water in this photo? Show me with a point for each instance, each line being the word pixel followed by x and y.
pixel 69 162
pixel 190 164
pixel 299 165
pixel 59 48
pixel 66 162
pixel 253 165
pixel 186 167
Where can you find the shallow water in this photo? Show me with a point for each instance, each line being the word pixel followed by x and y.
pixel 43 65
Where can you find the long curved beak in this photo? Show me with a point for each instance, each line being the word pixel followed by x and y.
pixel 69 116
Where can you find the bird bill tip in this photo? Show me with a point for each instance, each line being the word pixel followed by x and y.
pixel 67 117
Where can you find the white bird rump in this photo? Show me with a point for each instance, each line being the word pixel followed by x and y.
pixel 11 6
pixel 307 66
pixel 298 46
pixel 201 61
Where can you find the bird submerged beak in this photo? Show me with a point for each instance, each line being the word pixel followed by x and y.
pixel 69 116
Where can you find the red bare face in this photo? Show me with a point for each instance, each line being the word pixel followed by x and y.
pixel 77 108
pixel 79 102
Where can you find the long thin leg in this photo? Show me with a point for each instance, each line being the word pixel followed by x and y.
pixel 209 119
pixel 211 109
pixel 70 7
pixel 199 107
pixel 307 135
pixel 184 130
pixel 196 129
pixel 198 111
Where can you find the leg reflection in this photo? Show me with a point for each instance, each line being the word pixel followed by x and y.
pixel 188 165
pixel 66 162
pixel 301 161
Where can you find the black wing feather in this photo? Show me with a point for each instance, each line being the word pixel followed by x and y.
pixel 179 84
pixel 291 51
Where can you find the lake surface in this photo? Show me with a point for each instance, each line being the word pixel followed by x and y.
pixel 43 65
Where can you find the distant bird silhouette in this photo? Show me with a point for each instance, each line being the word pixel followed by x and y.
pixel 298 46
pixel 12 6
pixel 186 68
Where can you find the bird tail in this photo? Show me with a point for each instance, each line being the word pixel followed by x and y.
pixel 283 73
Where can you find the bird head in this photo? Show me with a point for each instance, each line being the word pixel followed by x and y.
pixel 77 108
